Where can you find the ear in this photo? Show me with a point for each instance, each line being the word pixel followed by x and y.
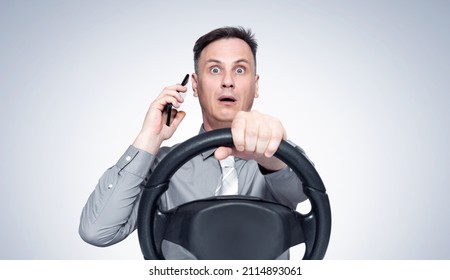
pixel 256 86
pixel 194 84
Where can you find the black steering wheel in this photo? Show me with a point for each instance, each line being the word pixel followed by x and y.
pixel 233 227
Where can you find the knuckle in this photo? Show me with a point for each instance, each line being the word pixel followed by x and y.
pixel 277 135
pixel 251 132
pixel 238 124
pixel 265 134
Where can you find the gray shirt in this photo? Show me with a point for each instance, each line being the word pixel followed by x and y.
pixel 110 214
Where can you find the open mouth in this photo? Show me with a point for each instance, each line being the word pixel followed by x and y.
pixel 227 99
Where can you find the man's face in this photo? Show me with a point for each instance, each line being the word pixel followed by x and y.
pixel 226 82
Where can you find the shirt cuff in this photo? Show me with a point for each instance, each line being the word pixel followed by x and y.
pixel 135 161
pixel 281 174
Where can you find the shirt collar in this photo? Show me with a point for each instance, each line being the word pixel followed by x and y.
pixel 207 153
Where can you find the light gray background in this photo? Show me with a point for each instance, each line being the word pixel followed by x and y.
pixel 362 86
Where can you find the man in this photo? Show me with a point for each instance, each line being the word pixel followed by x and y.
pixel 226 83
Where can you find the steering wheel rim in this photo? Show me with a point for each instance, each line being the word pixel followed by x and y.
pixel 158 183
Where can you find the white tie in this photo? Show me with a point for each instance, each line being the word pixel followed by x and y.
pixel 229 184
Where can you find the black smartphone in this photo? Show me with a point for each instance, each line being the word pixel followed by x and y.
pixel 168 108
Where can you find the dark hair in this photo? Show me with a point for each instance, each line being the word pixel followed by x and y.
pixel 224 33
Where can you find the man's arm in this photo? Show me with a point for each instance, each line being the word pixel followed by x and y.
pixel 284 185
pixel 111 211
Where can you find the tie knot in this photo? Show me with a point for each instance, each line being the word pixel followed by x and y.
pixel 228 162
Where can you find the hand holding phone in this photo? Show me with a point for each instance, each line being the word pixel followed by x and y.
pixel 168 107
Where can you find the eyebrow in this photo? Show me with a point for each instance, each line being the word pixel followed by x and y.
pixel 242 61
pixel 212 60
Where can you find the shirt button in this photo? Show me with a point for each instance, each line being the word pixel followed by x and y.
pixel 128 158
pixel 110 186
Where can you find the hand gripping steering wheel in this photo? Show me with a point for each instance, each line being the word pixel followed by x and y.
pixel 233 227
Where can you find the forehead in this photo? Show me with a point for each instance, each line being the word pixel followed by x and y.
pixel 227 50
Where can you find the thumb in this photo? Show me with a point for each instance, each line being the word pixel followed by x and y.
pixel 222 153
pixel 178 118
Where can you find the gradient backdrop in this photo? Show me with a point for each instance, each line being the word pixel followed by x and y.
pixel 362 86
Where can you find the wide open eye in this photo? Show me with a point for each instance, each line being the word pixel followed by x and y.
pixel 240 70
pixel 215 70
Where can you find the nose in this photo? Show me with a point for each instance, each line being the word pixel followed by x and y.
pixel 227 81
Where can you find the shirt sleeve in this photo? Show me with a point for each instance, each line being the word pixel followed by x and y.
pixel 110 213
pixel 285 186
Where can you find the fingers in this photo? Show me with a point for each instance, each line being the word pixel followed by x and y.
pixel 177 117
pixel 155 119
pixel 238 131
pixel 274 143
pixel 154 129
pixel 257 134
pixel 171 95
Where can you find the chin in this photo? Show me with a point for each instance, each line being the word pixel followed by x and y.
pixel 228 116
